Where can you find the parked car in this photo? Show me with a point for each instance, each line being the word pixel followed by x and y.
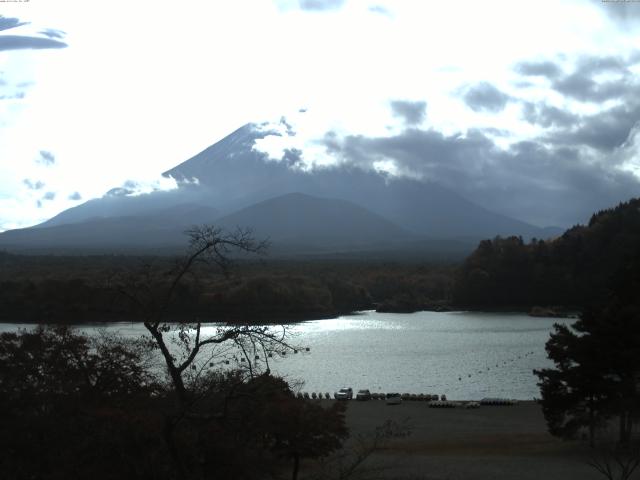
pixel 363 395
pixel 344 394
pixel 393 399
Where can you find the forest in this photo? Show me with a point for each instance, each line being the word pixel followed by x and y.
pixel 570 271
pixel 70 289
pixel 543 276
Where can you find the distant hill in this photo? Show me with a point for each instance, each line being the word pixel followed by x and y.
pixel 571 270
pixel 232 183
pixel 299 219
pixel 294 223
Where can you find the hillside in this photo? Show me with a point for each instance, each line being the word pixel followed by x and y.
pixel 571 270
pixel 299 219
pixel 161 228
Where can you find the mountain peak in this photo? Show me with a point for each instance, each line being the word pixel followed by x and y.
pixel 234 149
pixel 234 178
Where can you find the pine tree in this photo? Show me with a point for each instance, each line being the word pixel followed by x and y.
pixel 597 363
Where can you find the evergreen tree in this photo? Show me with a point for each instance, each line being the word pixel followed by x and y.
pixel 597 363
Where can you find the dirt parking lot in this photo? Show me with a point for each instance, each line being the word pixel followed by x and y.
pixel 492 442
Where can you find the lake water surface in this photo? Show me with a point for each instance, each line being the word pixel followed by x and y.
pixel 465 355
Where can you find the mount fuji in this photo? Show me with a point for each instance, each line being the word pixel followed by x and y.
pixel 324 209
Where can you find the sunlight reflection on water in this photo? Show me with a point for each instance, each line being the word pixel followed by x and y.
pixel 465 355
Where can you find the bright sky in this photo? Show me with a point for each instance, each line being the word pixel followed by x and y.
pixel 142 86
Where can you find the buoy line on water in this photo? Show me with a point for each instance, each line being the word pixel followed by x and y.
pixel 497 365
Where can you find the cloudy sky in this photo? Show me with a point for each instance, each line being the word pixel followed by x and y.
pixel 527 108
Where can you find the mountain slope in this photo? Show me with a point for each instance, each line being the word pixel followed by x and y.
pixel 232 175
pixel 301 219
pixel 162 228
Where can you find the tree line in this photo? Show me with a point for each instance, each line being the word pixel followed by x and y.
pixel 79 290
pixel 568 271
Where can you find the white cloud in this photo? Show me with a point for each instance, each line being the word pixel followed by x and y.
pixel 142 88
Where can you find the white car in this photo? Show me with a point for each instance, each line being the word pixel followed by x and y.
pixel 344 394
pixel 393 399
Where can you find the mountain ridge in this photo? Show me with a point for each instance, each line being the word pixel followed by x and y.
pixel 232 175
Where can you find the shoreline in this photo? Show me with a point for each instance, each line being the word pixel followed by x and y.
pixel 289 320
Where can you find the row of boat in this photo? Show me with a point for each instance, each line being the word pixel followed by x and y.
pixel 435 401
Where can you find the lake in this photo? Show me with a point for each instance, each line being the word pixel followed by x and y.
pixel 464 355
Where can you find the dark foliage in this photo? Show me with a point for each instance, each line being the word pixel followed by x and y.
pixel 76 407
pixel 73 407
pixel 569 271
pixel 597 363
pixel 80 289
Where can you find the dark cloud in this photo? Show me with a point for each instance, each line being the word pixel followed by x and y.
pixel 412 113
pixel 292 157
pixel 582 84
pixel 536 181
pixel 548 116
pixel 22 42
pixel 331 142
pixel 425 152
pixel 46 158
pixel 33 185
pixel 119 192
pixel 604 131
pixel 583 88
pixel 18 42
pixel 75 196
pixel 484 97
pixel 53 33
pixel 624 12
pixel 542 69
pixel 593 65
pixel 49 196
pixel 319 5
pixel 290 131
pixel 7 22
pixel 496 132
